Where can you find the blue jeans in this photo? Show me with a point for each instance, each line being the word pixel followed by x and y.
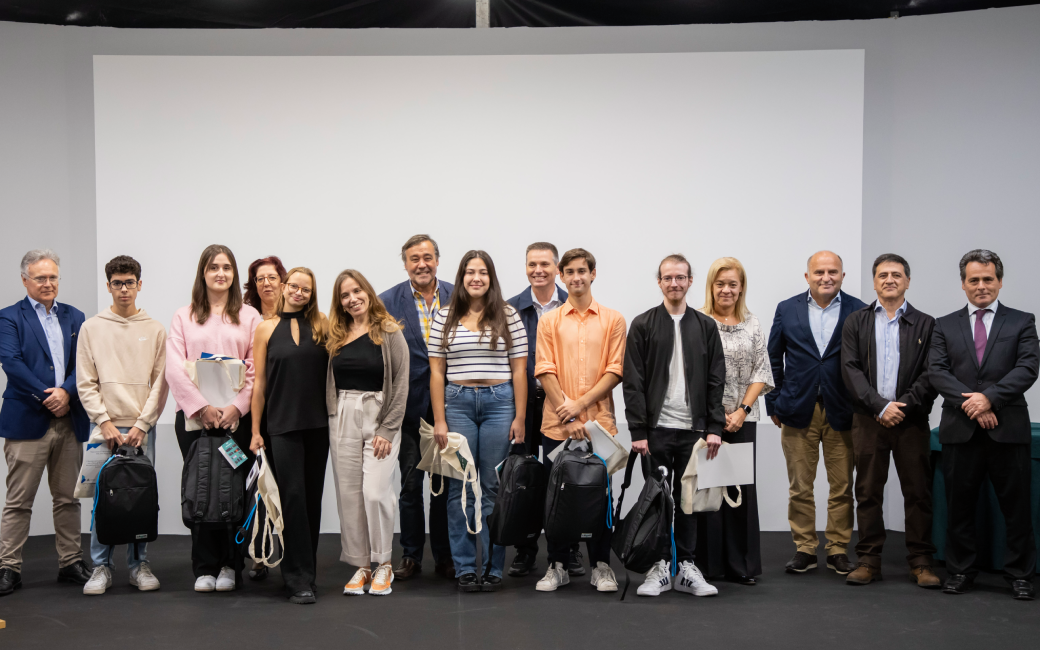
pixel 101 554
pixel 483 415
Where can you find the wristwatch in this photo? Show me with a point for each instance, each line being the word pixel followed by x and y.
pixel 747 409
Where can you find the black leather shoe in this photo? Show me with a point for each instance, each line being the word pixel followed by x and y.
pixel 800 563
pixel 76 573
pixel 574 566
pixel 258 573
pixel 445 570
pixel 958 583
pixel 742 580
pixel 1023 590
pixel 469 582
pixel 491 583
pixel 839 563
pixel 408 568
pixel 303 598
pixel 522 564
pixel 9 581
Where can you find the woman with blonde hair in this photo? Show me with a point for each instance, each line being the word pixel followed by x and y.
pixel 728 543
pixel 366 388
pixel 291 361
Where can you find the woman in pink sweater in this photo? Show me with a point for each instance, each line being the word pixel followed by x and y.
pixel 216 322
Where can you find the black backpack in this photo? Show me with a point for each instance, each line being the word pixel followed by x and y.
pixel 644 535
pixel 520 504
pixel 212 492
pixel 576 500
pixel 126 499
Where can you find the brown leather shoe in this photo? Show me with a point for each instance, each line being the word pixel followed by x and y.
pixel 408 568
pixel 863 574
pixel 445 570
pixel 925 577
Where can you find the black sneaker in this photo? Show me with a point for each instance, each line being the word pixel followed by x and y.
pixel 574 566
pixel 839 563
pixel 469 582
pixel 801 562
pixel 522 564
pixel 491 583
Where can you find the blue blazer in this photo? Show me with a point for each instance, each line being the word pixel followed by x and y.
pixel 400 303
pixel 798 370
pixel 26 360
pixel 524 306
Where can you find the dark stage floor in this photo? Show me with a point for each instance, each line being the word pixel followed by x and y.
pixel 815 610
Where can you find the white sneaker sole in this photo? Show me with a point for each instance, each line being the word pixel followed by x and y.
pixel 385 592
pixel 230 587
pixel 353 592
pixel 660 590
pixel 540 587
pixel 94 591
pixel 204 590
pixel 702 594
pixel 154 587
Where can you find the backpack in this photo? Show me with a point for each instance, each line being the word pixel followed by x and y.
pixel 212 492
pixel 577 498
pixel 126 499
pixel 520 504
pixel 644 535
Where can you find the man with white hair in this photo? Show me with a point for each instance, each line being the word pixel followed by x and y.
pixel 42 421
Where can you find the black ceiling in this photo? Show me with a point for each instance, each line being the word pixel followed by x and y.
pixel 460 13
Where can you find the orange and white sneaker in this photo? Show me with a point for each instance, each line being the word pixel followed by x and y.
pixel 356 586
pixel 381 581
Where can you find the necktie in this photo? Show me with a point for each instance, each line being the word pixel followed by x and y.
pixel 980 334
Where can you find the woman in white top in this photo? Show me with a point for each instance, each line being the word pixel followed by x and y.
pixel 478 386
pixel 730 543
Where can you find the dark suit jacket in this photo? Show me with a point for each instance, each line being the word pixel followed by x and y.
pixel 1008 370
pixel 26 360
pixel 648 359
pixel 799 371
pixel 400 303
pixel 524 306
pixel 859 363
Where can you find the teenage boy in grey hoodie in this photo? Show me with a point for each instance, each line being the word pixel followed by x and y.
pixel 122 385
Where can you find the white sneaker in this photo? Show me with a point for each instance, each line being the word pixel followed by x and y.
pixel 555 576
pixel 205 583
pixel 603 578
pixel 226 579
pixel 143 578
pixel 99 581
pixel 658 579
pixel 690 580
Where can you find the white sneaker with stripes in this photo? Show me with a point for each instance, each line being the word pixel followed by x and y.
pixel 690 580
pixel 658 579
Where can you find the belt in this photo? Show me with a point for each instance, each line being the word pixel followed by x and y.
pixel 359 406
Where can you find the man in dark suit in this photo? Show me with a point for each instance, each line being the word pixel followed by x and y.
pixel 415 302
pixel 884 362
pixel 544 295
pixel 812 409
pixel 42 420
pixel 983 359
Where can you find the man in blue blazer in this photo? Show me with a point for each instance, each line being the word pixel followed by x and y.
pixel 42 420
pixel 544 295
pixel 415 302
pixel 812 408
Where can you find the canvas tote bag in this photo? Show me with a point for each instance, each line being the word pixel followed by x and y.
pixel 709 500
pixel 454 461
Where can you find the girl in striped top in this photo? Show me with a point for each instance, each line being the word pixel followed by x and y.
pixel 478 386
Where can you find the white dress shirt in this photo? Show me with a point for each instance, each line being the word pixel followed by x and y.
pixel 540 309
pixel 822 321
pixel 55 339
pixel 987 318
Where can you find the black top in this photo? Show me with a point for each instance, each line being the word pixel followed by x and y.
pixel 295 378
pixel 359 365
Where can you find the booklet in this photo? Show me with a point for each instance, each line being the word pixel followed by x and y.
pixel 734 465
pixel 233 453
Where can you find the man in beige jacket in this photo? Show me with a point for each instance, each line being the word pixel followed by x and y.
pixel 122 385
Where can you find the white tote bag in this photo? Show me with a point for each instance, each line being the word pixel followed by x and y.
pixel 95 455
pixel 266 491
pixel 219 379
pixel 454 461
pixel 709 500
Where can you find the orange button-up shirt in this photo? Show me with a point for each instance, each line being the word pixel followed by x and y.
pixel 579 348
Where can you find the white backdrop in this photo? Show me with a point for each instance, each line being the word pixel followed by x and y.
pixel 331 162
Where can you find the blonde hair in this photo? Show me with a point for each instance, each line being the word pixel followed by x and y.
pixel 310 312
pixel 379 319
pixel 717 267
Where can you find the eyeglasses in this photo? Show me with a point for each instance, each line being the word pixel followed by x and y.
pixel 119 284
pixel 268 279
pixel 293 288
pixel 44 279
pixel 678 278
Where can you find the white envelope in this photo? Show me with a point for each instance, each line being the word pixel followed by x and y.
pixel 734 465
pixel 603 445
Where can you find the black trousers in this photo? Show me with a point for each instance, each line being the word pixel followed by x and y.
pixel 597 547
pixel 411 503
pixel 672 448
pixel 1008 467
pixel 213 548
pixel 300 458
pixel 728 541
pixel 532 440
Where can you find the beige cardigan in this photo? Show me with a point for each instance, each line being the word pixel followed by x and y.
pixel 395 386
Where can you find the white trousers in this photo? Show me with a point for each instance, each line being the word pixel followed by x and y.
pixel 364 490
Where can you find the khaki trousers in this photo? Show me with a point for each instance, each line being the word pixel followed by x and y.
pixel 364 494
pixel 61 454
pixel 802 451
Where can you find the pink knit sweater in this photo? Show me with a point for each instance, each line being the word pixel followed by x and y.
pixel 188 340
